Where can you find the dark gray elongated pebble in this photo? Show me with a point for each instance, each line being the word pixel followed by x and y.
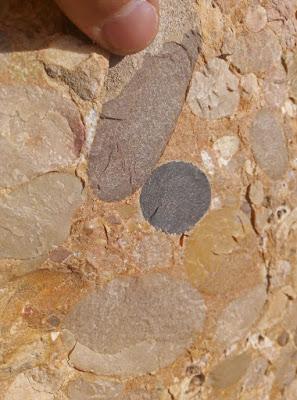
pixel 176 197
pixel 135 127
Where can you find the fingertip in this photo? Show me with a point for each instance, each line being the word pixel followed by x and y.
pixel 131 30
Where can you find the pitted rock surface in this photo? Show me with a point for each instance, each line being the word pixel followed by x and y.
pixel 135 126
pixel 40 131
pixel 135 325
pixel 214 91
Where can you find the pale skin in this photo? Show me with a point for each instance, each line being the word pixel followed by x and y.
pixel 120 26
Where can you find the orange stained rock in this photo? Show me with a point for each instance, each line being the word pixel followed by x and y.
pixel 221 254
pixel 37 295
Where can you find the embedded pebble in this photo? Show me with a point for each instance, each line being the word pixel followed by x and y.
pixel 135 127
pixel 134 325
pixel 230 371
pixel 226 147
pixel 98 389
pixel 249 84
pixel 256 18
pixel 214 91
pixel 176 197
pixel 268 144
pixel 141 394
pixel 22 389
pixel 36 217
pixel 283 338
pixel 291 63
pixel 256 52
pixel 238 317
pixel 216 252
pixel 256 193
pixel 290 392
pixel 207 162
pixel 285 366
pixel 77 64
pixel 280 271
pixel 275 87
pixel 40 131
pixel 256 373
pixel 282 18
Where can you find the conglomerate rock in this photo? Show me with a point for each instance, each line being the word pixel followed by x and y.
pixel 195 299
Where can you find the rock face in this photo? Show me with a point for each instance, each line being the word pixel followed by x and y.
pixel 40 131
pixel 166 292
pixel 135 126
pixel 214 91
pixel 135 325
pixel 268 144
pixel 36 217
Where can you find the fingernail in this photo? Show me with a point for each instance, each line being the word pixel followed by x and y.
pixel 133 28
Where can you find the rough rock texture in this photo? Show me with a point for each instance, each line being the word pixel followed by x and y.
pixel 214 91
pixel 135 126
pixel 21 388
pixel 256 52
pixel 268 144
pixel 256 18
pixel 176 197
pixel 36 217
pixel 237 318
pixel 208 314
pixel 40 131
pixel 135 325
pixel 215 253
pixel 75 64
pixel 230 371
pixel 291 63
pixel 89 390
pixel 176 19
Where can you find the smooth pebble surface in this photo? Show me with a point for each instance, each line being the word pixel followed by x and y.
pixel 176 197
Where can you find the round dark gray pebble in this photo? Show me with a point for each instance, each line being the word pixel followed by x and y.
pixel 175 197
